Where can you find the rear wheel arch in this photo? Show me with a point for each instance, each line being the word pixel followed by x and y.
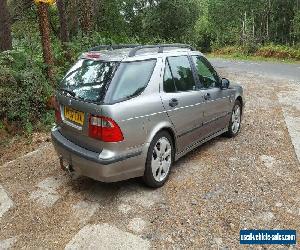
pixel 169 130
pixel 172 134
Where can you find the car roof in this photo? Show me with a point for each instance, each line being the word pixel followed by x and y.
pixel 140 53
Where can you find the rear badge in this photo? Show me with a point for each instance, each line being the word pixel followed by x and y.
pixel 70 102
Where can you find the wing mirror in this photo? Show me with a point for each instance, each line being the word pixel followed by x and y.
pixel 225 83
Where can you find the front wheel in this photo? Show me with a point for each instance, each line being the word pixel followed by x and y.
pixel 159 160
pixel 235 120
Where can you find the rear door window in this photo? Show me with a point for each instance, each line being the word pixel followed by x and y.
pixel 131 79
pixel 169 85
pixel 182 73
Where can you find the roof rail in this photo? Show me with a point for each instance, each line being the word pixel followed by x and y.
pixel 160 47
pixel 136 47
pixel 113 47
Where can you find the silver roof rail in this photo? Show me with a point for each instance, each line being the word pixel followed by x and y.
pixel 136 47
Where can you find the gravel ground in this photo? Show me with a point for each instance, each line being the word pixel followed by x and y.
pixel 12 147
pixel 251 181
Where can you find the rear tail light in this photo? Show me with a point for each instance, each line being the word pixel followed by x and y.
pixel 104 129
pixel 57 111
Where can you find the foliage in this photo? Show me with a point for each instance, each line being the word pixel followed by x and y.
pixel 265 28
pixel 202 35
pixel 24 91
pixel 171 19
pixel 278 51
pixel 267 51
pixel 296 25
pixel 260 21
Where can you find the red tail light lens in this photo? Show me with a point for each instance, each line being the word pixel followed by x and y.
pixel 104 129
pixel 57 111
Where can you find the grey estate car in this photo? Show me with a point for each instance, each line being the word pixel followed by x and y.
pixel 128 111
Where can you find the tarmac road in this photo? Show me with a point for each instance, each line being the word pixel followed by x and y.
pixel 285 71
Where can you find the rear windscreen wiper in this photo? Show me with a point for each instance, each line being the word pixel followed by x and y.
pixel 70 92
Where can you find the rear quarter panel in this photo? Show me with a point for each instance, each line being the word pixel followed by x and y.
pixel 140 118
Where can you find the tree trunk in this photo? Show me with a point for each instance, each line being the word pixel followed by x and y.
pixel 73 14
pixel 268 20
pixel 253 27
pixel 268 26
pixel 86 17
pixel 5 27
pixel 243 31
pixel 64 32
pixel 45 36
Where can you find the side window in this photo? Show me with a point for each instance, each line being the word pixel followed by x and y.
pixel 169 85
pixel 207 75
pixel 182 73
pixel 132 78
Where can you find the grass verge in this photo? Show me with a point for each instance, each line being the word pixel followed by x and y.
pixel 274 53
pixel 252 58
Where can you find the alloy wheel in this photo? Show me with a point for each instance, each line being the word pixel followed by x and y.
pixel 161 159
pixel 236 119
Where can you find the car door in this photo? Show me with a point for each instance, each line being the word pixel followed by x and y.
pixel 217 101
pixel 181 98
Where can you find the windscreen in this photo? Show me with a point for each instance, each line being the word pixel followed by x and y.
pixel 88 79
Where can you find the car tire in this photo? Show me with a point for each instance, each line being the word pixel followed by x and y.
pixel 235 120
pixel 160 158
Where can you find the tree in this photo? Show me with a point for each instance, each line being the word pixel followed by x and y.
pixel 86 16
pixel 109 17
pixel 5 27
pixel 134 12
pixel 45 36
pixel 296 26
pixel 72 13
pixel 171 19
pixel 19 9
pixel 64 32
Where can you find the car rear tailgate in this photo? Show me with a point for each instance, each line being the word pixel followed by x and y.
pixel 74 131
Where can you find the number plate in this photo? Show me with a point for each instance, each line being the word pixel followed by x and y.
pixel 74 115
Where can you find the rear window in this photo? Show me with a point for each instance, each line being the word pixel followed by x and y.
pixel 88 79
pixel 131 79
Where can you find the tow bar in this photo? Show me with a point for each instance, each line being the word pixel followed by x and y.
pixel 65 166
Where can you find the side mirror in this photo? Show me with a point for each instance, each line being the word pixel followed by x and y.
pixel 225 83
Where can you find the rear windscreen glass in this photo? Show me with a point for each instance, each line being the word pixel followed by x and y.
pixel 88 79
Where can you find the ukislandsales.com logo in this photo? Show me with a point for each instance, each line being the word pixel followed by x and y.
pixel 282 237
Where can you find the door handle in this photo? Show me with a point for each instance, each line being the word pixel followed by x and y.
pixel 173 102
pixel 207 96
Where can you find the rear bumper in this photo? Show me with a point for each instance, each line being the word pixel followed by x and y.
pixel 124 166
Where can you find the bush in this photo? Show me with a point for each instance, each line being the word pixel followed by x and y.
pixel 202 35
pixel 229 50
pixel 24 89
pixel 268 51
pixel 24 92
pixel 279 51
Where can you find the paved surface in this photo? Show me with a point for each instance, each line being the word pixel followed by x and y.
pixel 251 181
pixel 278 70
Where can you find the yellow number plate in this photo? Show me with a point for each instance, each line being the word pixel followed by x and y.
pixel 74 115
pixel 45 1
